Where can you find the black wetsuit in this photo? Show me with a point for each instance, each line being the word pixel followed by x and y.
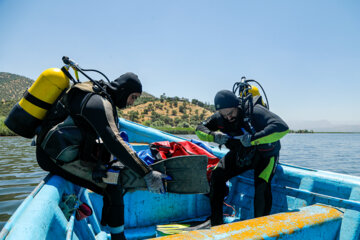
pixel 94 115
pixel 262 156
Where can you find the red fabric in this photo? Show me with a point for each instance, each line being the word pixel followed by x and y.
pixel 168 149
pixel 83 211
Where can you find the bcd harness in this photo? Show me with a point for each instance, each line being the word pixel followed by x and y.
pixel 249 98
pixel 66 137
pixel 27 115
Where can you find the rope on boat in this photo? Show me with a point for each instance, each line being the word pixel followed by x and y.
pixel 234 211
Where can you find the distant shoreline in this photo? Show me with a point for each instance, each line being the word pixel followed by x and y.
pixel 339 132
pixel 5 132
pixel 302 131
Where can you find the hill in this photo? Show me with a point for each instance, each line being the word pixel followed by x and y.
pixel 172 114
pixel 167 113
pixel 12 86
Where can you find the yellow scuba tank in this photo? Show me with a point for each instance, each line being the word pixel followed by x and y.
pixel 254 92
pixel 27 115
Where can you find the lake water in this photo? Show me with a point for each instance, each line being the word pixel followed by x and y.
pixel 19 172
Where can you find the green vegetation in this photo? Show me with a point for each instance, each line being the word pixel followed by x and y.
pixel 301 131
pixel 6 106
pixel 177 130
pixel 144 98
pixel 4 130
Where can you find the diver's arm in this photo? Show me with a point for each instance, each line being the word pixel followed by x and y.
pixel 273 128
pixel 98 112
pixel 206 128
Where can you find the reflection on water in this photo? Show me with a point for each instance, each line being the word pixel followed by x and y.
pixel 326 151
pixel 19 174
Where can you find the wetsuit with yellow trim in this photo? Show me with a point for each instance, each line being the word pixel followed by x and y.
pixel 262 156
pixel 94 114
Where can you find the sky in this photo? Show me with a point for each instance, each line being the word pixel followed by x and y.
pixel 305 54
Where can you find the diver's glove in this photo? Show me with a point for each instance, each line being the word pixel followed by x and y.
pixel 154 181
pixel 220 138
pixel 245 139
pixel 98 173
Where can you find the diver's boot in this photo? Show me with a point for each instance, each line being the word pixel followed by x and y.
pixel 216 217
pixel 119 236
pixel 216 221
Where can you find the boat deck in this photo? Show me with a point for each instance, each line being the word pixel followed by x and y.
pixel 307 204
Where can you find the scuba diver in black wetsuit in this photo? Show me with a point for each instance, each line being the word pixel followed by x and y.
pixel 253 143
pixel 85 117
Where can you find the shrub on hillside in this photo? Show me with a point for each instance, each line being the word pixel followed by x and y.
pixel 185 117
pixel 182 109
pixel 147 123
pixel 177 120
pixel 134 116
pixel 183 125
pixel 159 123
pixel 177 130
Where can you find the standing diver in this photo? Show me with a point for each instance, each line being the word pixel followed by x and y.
pixel 86 117
pixel 253 143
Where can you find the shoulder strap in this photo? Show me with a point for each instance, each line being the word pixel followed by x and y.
pixel 59 111
pixel 85 86
pixel 90 87
pixel 56 114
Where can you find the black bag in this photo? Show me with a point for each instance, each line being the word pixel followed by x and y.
pixel 62 142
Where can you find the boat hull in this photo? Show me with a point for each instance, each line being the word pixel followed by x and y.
pixel 295 190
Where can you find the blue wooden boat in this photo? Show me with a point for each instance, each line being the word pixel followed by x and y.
pixel 307 204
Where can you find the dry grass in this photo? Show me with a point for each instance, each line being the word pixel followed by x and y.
pixel 166 109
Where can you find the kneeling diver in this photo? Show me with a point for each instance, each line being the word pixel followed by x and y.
pixel 90 111
pixel 252 144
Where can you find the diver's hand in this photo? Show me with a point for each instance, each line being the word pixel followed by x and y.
pixel 154 181
pixel 220 138
pixel 246 139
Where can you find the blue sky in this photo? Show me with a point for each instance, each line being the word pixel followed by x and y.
pixel 306 54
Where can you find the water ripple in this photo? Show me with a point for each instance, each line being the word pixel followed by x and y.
pixel 19 174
